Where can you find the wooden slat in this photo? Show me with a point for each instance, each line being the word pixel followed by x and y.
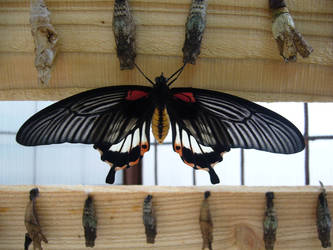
pixel 237 214
pixel 238 55
pixel 77 72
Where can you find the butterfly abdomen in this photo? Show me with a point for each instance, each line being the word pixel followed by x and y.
pixel 160 124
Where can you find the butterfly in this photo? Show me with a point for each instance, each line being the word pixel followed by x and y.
pixel 205 124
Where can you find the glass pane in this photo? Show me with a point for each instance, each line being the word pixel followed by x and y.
pixel 16 162
pixel 171 169
pixel 14 113
pixel 321 162
pixel 59 164
pixel 228 170
pixel 293 111
pixel 148 167
pixel 320 119
pixel 95 170
pixel 268 169
pixel 71 164
pixel 43 104
pixel 167 139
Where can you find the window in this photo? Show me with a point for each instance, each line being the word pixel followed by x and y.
pixel 66 163
pixel 162 166
pixel 79 164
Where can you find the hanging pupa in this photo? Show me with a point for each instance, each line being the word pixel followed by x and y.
pixel 324 223
pixel 288 39
pixel 124 32
pixel 206 223
pixel 194 29
pixel 45 38
pixel 270 222
pixel 89 222
pixel 34 232
pixel 149 219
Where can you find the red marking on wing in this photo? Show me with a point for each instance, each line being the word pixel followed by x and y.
pixel 178 149
pixel 185 96
pixel 133 95
pixel 144 148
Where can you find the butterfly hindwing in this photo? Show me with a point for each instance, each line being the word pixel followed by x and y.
pixel 128 152
pixel 193 153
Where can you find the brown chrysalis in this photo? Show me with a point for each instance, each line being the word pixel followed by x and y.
pixel 45 38
pixel 89 222
pixel 124 33
pixel 34 232
pixel 194 29
pixel 288 39
pixel 270 222
pixel 206 223
pixel 149 219
pixel 324 223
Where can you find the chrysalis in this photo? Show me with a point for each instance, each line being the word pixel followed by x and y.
pixel 288 39
pixel 89 222
pixel 206 223
pixel 34 232
pixel 45 38
pixel 124 33
pixel 149 219
pixel 195 26
pixel 324 223
pixel 270 222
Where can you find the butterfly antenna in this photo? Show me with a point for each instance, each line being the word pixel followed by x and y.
pixel 144 74
pixel 177 73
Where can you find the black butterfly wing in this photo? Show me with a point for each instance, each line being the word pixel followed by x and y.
pixel 128 152
pixel 116 119
pixel 214 122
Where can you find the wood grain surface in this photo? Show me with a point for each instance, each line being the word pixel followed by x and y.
pixel 237 214
pixel 238 55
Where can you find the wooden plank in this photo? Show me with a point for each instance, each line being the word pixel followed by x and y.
pixel 238 55
pixel 75 72
pixel 237 214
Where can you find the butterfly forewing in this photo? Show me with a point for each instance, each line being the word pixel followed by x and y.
pixel 225 121
pixel 104 115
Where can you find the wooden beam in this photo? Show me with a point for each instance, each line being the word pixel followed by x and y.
pixel 237 214
pixel 238 55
